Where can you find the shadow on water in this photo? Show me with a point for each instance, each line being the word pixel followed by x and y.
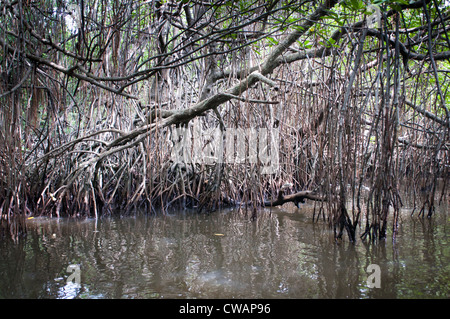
pixel 222 255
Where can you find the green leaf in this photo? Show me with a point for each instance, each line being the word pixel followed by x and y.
pixel 354 5
pixel 306 44
pixel 298 28
pixel 272 41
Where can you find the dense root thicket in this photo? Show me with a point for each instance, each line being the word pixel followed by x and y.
pixel 111 106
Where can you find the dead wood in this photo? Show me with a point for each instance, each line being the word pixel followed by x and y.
pixel 295 198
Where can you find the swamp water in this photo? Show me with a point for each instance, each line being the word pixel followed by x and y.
pixel 282 254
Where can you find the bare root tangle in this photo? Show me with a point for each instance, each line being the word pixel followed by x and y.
pixel 96 102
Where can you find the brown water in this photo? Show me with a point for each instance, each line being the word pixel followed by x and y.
pixel 222 255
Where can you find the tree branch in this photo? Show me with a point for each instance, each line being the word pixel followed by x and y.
pixel 266 67
pixel 295 198
pixel 427 114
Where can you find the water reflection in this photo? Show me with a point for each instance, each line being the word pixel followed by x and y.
pixel 222 255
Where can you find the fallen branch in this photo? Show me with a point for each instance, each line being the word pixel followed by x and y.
pixel 295 198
